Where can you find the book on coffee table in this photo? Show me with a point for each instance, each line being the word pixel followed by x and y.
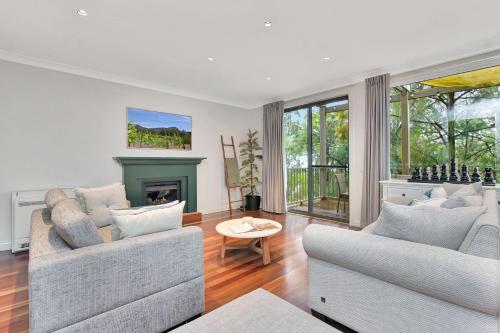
pixel 264 226
pixel 242 228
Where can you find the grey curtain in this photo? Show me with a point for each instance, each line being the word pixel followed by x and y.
pixel 376 162
pixel 273 181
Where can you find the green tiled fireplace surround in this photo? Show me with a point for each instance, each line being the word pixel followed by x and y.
pixel 137 170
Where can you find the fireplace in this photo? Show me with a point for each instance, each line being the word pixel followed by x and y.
pixel 157 192
pixel 154 180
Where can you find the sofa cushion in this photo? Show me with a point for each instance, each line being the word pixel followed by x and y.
pixel 44 239
pixel 99 201
pixel 73 225
pixel 483 239
pixel 463 201
pixel 427 225
pixel 147 221
pixel 435 202
pixel 54 196
pixel 370 228
pixel 462 190
pixel 105 233
pixel 438 192
pixel 473 200
pixel 81 190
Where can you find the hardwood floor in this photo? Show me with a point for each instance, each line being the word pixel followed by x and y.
pixel 240 272
pixel 13 292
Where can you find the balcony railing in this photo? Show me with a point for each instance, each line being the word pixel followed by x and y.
pixel 297 183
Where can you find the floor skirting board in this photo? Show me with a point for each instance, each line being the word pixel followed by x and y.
pixel 5 246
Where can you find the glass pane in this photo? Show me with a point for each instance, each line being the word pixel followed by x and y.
pixel 456 117
pixel 331 192
pixel 295 137
pixel 330 158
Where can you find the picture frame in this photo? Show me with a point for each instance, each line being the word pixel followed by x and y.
pixel 148 129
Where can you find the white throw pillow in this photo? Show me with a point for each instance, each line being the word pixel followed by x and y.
pixel 473 200
pixel 115 232
pixel 463 190
pixel 427 225
pixel 436 202
pixel 463 201
pixel 148 222
pixel 438 192
pixel 453 202
pixel 142 209
pixel 98 203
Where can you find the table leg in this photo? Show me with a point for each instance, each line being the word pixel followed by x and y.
pixel 223 248
pixel 266 255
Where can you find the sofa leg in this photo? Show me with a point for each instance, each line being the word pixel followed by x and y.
pixel 331 322
pixel 318 315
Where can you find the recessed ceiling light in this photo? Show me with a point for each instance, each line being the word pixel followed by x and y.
pixel 268 24
pixel 268 78
pixel 326 58
pixel 211 59
pixel 82 12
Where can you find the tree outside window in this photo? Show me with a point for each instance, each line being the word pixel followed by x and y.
pixel 458 120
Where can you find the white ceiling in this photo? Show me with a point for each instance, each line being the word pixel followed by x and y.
pixel 164 44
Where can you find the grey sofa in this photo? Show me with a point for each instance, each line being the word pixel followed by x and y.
pixel 377 284
pixel 143 284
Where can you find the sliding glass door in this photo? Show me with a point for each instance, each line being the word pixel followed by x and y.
pixel 317 155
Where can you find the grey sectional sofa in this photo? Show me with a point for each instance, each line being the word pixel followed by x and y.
pixel 377 284
pixel 143 284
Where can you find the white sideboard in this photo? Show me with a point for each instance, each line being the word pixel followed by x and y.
pixel 402 191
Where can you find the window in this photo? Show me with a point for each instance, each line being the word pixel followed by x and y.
pixel 453 117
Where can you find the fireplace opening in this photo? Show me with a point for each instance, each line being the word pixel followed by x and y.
pixel 161 192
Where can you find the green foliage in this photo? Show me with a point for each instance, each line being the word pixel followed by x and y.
pixel 297 184
pixel 249 168
pixel 143 138
pixel 295 141
pixel 337 138
pixel 133 134
pixel 469 114
pixel 295 138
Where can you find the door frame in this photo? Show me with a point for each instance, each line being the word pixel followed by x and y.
pixel 310 166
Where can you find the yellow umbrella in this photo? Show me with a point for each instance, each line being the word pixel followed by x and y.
pixel 481 78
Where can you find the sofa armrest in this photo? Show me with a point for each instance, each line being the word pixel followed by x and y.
pixel 68 287
pixel 452 276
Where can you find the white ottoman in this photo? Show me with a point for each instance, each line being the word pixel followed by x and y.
pixel 258 311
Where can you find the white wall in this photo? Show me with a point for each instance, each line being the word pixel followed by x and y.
pixel 357 107
pixel 60 129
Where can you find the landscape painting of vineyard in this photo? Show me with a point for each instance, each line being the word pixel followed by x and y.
pixel 152 129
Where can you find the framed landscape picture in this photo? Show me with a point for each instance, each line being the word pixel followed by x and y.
pixel 158 130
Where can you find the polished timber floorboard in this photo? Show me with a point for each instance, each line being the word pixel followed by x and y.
pixel 240 272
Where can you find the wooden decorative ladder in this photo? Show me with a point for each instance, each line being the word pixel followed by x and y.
pixel 232 174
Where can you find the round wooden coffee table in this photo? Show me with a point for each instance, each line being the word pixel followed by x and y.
pixel 259 239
